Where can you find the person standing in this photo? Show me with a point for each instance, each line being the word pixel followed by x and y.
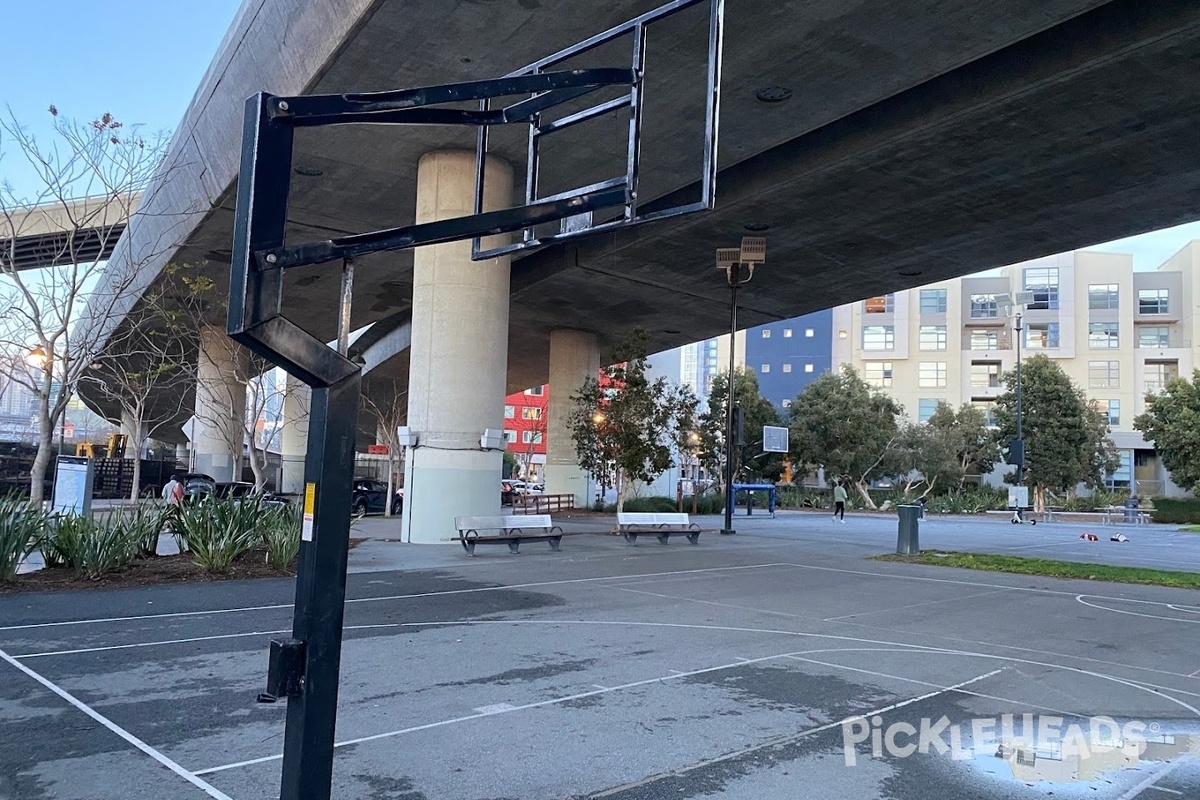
pixel 839 502
pixel 173 491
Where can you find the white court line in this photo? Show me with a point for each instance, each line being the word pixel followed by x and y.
pixel 190 777
pixel 1079 598
pixel 106 648
pixel 1165 789
pixel 1149 782
pixel 675 674
pixel 686 626
pixel 914 605
pixel 385 598
pixel 789 738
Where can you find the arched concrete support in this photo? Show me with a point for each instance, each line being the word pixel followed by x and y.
pixel 293 440
pixel 219 430
pixel 458 361
pixel 574 357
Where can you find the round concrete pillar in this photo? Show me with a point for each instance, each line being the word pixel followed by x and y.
pixel 574 357
pixel 459 355
pixel 293 440
pixel 219 430
pixel 183 458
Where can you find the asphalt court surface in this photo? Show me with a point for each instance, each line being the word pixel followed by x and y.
pixel 725 669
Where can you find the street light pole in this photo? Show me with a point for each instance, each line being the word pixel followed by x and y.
pixel 753 251
pixel 1020 439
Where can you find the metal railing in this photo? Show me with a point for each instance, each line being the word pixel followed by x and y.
pixel 542 503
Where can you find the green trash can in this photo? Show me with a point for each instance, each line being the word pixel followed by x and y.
pixel 907 539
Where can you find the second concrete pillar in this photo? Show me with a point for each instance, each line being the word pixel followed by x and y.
pixel 574 357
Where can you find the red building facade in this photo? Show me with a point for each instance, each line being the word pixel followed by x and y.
pixel 525 416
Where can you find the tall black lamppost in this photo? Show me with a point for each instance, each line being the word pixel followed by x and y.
pixel 1016 448
pixel 732 260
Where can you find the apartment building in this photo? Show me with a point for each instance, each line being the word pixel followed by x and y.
pixel 1118 333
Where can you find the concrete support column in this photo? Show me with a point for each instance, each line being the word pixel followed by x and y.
pixel 459 355
pixel 293 440
pixel 574 357
pixel 219 430
pixel 183 458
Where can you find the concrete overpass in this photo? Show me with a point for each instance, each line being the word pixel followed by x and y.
pixel 54 234
pixel 920 140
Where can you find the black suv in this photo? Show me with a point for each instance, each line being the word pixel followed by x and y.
pixel 370 497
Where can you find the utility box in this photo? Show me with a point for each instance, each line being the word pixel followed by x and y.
pixel 908 538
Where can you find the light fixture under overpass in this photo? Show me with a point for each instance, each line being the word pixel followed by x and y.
pixel 752 252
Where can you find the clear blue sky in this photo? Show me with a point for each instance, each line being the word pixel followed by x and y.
pixel 143 59
pixel 140 59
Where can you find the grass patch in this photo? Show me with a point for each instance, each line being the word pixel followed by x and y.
pixel 1053 569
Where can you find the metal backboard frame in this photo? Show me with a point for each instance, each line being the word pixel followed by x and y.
pixel 626 185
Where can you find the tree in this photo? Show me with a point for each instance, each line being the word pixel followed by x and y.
pixel 947 448
pixel 1066 437
pixel 530 424
pixel 626 424
pixel 849 427
pixel 89 179
pixel 1172 422
pixel 751 463
pixel 383 399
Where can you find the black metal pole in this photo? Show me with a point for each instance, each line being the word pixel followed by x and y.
pixel 729 401
pixel 321 591
pixel 1020 439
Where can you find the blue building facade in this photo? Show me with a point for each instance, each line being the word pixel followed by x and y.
pixel 789 355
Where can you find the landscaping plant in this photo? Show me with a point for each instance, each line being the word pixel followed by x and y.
pixel 217 531
pixel 21 528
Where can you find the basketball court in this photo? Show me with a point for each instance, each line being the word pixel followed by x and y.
pixel 614 671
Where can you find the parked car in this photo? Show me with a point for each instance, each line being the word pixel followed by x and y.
pixel 240 490
pixel 370 497
pixel 196 486
pixel 510 488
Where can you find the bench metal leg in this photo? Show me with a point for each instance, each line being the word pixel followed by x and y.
pixel 693 538
pixel 469 546
pixel 629 536
pixel 514 546
pixel 554 543
pixel 663 538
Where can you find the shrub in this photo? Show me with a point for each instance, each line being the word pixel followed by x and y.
pixel 142 524
pixel 1176 510
pixel 88 548
pixel 218 531
pixel 21 529
pixel 281 532
pixel 652 505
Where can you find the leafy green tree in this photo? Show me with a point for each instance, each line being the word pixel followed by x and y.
pixel 750 462
pixel 1172 422
pixel 848 426
pixel 1066 437
pixel 625 425
pixel 948 447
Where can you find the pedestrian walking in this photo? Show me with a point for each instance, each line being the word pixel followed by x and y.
pixel 173 491
pixel 839 502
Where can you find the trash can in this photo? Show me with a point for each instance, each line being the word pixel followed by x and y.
pixel 1131 509
pixel 907 540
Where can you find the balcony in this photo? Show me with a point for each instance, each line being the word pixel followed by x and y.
pixel 1167 343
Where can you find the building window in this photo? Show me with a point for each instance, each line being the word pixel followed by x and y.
pixel 1114 412
pixel 985 339
pixel 1103 296
pixel 1153 336
pixel 1043 282
pixel 510 436
pixel 933 301
pixel 808 333
pixel 985 374
pixel 988 407
pixel 878 337
pixel 762 370
pixel 531 412
pixel 1120 479
pixel 1152 301
pixel 933 337
pixel 876 373
pixel 536 391
pixel 531 437
pixel 766 334
pixel 931 374
pixel 1041 335
pixel 786 368
pixel 1104 374
pixel 808 367
pixel 510 412
pixel 884 304
pixel 1103 336
pixel 1158 373
pixel 926 407
pixel 1141 458
pixel 787 333
pixel 983 306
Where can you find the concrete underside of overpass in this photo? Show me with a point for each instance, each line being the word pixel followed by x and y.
pixel 924 139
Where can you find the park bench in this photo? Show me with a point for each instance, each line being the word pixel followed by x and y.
pixel 510 530
pixel 662 526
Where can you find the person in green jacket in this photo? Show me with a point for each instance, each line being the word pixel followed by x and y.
pixel 839 502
